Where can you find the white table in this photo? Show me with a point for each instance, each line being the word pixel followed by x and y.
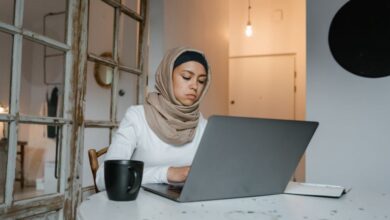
pixel 354 205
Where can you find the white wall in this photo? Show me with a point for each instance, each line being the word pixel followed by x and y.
pixel 351 146
pixel 156 39
pixel 204 27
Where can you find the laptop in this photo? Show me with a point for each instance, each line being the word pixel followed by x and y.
pixel 242 157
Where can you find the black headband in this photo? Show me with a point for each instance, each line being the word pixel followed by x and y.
pixel 191 56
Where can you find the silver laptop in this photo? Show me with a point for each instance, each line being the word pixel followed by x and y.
pixel 242 157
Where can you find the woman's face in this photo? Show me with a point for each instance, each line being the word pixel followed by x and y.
pixel 189 80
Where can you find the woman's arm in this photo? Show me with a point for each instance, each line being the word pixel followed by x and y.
pixel 165 174
pixel 122 146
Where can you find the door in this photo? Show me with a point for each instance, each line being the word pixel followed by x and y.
pixel 262 86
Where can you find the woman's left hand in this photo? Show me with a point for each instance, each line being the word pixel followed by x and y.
pixel 178 174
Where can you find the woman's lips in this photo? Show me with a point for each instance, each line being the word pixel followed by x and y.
pixel 190 96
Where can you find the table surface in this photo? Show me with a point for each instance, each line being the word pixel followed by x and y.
pixel 148 206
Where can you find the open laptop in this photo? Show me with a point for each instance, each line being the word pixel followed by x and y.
pixel 242 157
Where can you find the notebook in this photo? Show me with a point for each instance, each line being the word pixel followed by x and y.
pixel 242 157
pixel 314 189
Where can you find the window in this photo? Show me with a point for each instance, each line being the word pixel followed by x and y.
pixel 46 73
pixel 34 126
pixel 115 49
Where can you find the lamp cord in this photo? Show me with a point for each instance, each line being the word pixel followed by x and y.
pixel 249 12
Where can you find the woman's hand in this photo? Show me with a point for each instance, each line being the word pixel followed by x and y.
pixel 178 174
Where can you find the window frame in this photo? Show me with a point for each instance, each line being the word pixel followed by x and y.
pixel 72 121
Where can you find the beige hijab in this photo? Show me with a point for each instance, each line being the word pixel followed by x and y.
pixel 171 121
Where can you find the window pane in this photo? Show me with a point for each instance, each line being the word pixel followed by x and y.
pixel 128 48
pixel 42 81
pixel 94 138
pixel 35 172
pixel 132 4
pixel 3 130
pixel 5 68
pixel 101 27
pixel 127 93
pixel 3 160
pixel 7 11
pixel 47 19
pixel 97 97
pixel 54 26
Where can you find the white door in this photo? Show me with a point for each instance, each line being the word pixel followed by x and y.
pixel 262 86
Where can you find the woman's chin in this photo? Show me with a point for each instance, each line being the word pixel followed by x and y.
pixel 187 102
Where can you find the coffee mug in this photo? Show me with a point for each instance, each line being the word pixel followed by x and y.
pixel 123 179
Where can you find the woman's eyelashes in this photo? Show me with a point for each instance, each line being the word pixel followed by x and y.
pixel 200 80
pixel 187 78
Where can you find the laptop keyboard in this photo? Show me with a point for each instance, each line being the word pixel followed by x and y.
pixel 175 188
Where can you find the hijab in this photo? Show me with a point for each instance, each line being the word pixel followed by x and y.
pixel 171 121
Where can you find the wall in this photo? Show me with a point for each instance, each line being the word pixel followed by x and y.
pixel 156 39
pixel 204 27
pixel 351 146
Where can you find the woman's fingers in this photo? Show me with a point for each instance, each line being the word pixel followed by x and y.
pixel 178 174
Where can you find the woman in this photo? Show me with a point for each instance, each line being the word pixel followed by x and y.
pixel 165 132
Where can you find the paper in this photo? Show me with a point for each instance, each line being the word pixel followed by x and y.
pixel 310 189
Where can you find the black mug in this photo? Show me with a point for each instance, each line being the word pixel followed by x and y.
pixel 123 179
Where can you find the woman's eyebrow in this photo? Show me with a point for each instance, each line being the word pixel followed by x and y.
pixel 189 71
pixel 192 73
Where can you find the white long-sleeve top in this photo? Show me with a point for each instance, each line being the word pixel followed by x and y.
pixel 136 140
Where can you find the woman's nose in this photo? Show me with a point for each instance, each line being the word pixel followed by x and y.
pixel 194 85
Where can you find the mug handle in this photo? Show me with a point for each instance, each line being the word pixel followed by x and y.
pixel 136 183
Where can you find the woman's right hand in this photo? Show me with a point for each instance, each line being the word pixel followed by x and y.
pixel 178 174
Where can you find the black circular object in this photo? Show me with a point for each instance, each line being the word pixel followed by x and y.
pixel 121 92
pixel 359 37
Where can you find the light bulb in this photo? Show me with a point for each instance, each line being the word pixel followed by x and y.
pixel 248 30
